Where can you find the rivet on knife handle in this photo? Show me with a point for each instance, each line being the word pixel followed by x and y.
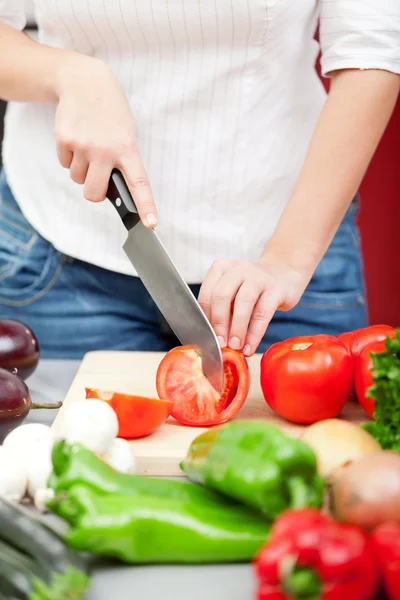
pixel 120 197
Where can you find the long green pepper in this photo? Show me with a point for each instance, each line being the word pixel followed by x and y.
pixel 144 529
pixel 256 464
pixel 148 520
pixel 152 520
pixel 73 464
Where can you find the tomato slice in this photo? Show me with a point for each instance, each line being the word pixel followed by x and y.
pixel 137 416
pixel 180 379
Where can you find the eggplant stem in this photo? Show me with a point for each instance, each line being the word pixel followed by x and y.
pixel 47 405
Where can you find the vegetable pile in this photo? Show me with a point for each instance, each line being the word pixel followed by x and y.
pixel 131 517
pixel 254 495
pixel 25 456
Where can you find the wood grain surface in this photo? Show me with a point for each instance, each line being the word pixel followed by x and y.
pixel 135 372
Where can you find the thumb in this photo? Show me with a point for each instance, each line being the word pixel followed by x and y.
pixel 139 186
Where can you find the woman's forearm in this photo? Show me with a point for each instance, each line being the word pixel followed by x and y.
pixel 32 72
pixel 350 126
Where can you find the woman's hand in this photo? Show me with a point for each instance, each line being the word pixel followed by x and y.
pixel 240 298
pixel 95 132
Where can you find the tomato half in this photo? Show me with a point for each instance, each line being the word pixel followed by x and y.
pixel 307 379
pixel 137 416
pixel 180 379
pixel 359 338
pixel 363 378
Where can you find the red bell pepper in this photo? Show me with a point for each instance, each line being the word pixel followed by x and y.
pixel 386 542
pixel 310 556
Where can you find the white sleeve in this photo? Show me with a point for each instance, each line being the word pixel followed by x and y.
pixel 360 34
pixel 12 12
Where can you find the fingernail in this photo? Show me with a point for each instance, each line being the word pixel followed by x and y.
pixel 247 349
pixel 235 343
pixel 151 219
pixel 221 341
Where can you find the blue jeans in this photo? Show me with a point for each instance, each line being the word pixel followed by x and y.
pixel 75 307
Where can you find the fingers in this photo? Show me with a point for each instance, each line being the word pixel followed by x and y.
pixel 65 155
pixel 261 317
pixel 244 306
pixel 240 299
pixel 97 179
pixel 213 276
pixel 79 167
pixel 139 186
pixel 223 296
pixel 91 165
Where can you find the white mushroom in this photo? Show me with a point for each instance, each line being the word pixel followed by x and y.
pixel 39 467
pixel 26 438
pixel 13 477
pixel 90 422
pixel 120 456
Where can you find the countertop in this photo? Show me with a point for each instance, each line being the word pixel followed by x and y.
pixel 50 382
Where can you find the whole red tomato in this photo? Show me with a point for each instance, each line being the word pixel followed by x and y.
pixel 359 338
pixel 307 379
pixel 137 416
pixel 180 379
pixel 363 378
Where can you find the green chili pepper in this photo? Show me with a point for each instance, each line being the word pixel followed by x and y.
pixel 74 464
pixel 255 463
pixel 146 529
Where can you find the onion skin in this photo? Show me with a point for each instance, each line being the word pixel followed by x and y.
pixel 336 443
pixel 367 493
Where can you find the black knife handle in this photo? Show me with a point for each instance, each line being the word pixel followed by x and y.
pixel 120 197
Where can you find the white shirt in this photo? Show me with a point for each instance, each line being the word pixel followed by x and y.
pixel 225 97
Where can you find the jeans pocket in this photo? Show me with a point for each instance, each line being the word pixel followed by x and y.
pixel 29 265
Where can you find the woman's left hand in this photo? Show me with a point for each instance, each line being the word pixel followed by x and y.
pixel 241 297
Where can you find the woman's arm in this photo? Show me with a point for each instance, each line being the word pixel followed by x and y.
pixel 349 129
pixel 94 127
pixel 32 72
pixel 350 126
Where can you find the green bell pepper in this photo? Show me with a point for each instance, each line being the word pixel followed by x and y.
pixel 74 464
pixel 255 463
pixel 146 529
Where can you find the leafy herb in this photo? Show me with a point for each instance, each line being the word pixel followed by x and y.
pixel 70 585
pixel 386 392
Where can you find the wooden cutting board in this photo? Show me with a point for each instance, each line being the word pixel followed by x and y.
pixel 135 373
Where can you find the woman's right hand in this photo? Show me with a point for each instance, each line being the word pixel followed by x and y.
pixel 95 132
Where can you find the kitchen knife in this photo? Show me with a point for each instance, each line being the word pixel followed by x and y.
pixel 165 285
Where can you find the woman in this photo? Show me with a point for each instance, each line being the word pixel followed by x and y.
pixel 215 115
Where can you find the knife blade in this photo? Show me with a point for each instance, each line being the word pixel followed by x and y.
pixel 164 283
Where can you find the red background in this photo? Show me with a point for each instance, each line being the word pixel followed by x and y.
pixel 379 223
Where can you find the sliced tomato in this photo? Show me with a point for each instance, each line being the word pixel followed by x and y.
pixel 180 379
pixel 137 416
